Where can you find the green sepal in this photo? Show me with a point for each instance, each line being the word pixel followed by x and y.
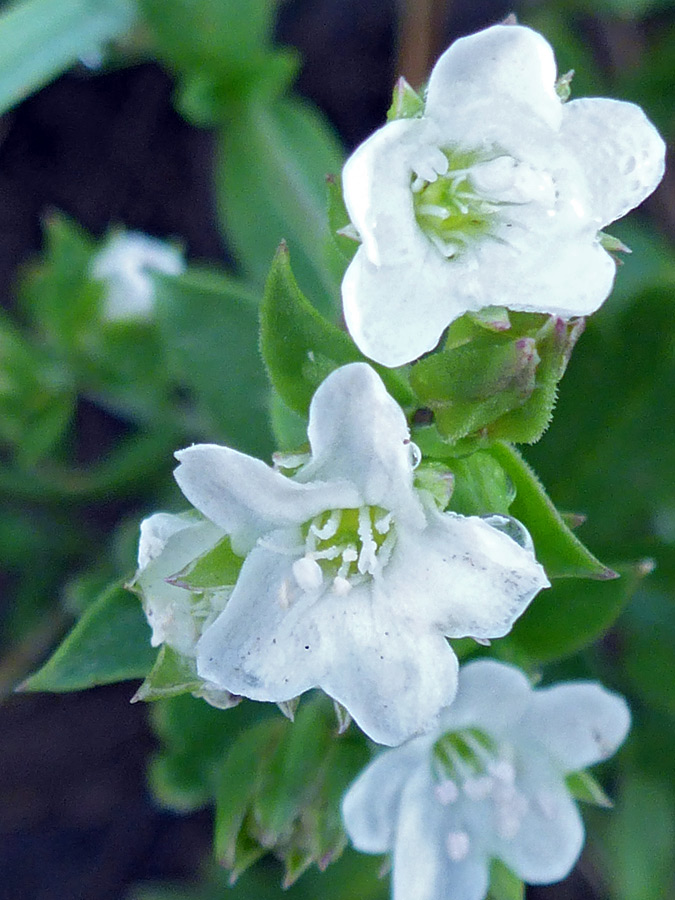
pixel 406 103
pixel 504 884
pixel 495 377
pixel 437 479
pixel 111 642
pixel 557 548
pixel 301 348
pixel 218 568
pixel 172 674
pixel 341 229
pixel 586 788
pixel 570 615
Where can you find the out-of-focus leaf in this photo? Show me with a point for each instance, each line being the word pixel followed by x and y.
pixel 560 552
pixel 481 485
pixel 572 614
pixel 40 39
pixel 270 182
pixel 111 642
pixel 640 840
pixel 300 347
pixel 209 323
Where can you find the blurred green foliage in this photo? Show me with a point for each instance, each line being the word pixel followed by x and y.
pixel 194 371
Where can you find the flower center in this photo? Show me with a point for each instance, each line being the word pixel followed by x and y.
pixel 470 765
pixel 463 204
pixel 345 546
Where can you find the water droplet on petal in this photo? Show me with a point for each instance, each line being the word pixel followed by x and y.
pixel 513 529
pixel 415 454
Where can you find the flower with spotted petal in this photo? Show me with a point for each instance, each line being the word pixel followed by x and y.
pixel 488 784
pixel 494 197
pixel 352 577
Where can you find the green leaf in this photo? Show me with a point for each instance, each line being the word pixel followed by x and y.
pixel 210 329
pixel 560 552
pixel 171 675
pixel 287 780
pixel 570 615
pixel 237 784
pixel 40 39
pixel 300 347
pixel 111 642
pixel 270 182
pixel 504 885
pixel 219 567
pixel 585 787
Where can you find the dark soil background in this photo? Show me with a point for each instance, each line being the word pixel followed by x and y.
pixel 76 821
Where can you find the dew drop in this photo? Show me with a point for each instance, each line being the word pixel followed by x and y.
pixel 415 454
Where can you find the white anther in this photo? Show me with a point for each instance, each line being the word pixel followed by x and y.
pixel 383 524
pixel 458 845
pixel 503 771
pixel 368 556
pixel 341 586
pixel 329 530
pixel 447 248
pixel 446 792
pixel 307 573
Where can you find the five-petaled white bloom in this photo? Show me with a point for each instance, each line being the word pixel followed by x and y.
pixel 489 784
pixel 352 577
pixel 124 264
pixel 495 196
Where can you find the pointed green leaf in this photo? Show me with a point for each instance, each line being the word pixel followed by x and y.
pixel 570 615
pixel 171 675
pixel 300 347
pixel 111 642
pixel 585 787
pixel 219 567
pixel 560 552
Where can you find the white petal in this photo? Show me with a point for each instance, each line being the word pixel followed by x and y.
pixel 510 62
pixel 247 498
pixel 621 152
pixel 371 805
pixel 579 723
pixel 266 644
pixel 359 433
pixel 563 278
pixel 462 576
pixel 393 678
pixel 168 543
pixel 422 868
pixel 397 312
pixel 549 839
pixel 376 180
pixel 490 695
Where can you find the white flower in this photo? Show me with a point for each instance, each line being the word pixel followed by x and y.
pixel 489 784
pixel 124 264
pixel 494 197
pixel 351 579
